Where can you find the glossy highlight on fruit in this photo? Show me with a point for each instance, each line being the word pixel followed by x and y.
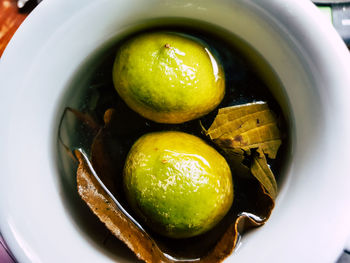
pixel 168 77
pixel 178 184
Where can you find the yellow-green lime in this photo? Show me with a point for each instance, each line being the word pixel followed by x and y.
pixel 168 77
pixel 178 184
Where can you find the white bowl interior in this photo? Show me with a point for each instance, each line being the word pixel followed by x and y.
pixel 79 87
pixel 277 34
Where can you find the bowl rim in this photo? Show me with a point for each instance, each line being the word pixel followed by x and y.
pixel 54 11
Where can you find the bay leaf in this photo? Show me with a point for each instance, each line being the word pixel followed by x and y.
pixel 243 222
pixel 104 164
pixel 262 172
pixel 106 209
pixel 84 117
pixel 246 127
pixel 243 128
pixel 71 119
pixel 235 158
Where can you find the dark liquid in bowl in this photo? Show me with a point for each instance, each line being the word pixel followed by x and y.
pixel 243 85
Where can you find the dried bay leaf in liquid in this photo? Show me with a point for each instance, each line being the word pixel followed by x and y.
pixel 105 208
pixel 228 114
pixel 243 131
pixel 266 138
pixel 74 121
pixel 101 158
pixel 84 117
pixel 246 127
pixel 243 128
pixel 262 172
pixel 102 162
pixel 260 207
pixel 235 159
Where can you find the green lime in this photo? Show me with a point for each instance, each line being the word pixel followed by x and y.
pixel 178 184
pixel 168 77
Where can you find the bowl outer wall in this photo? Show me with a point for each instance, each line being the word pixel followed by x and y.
pixel 49 235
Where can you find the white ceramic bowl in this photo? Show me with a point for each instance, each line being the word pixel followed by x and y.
pixel 311 219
